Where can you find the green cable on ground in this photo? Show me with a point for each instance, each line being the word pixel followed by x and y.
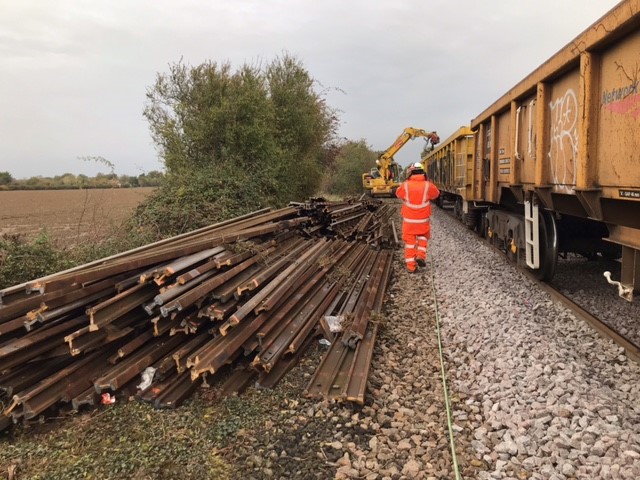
pixel 456 469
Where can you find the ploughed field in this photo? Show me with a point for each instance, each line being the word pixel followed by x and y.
pixel 68 216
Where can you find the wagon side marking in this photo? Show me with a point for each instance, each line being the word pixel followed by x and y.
pixel 563 144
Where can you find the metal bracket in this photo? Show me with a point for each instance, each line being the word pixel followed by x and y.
pixel 590 201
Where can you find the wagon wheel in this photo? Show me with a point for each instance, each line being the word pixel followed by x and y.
pixel 457 209
pixel 471 218
pixel 483 226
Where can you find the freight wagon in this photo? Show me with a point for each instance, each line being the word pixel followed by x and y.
pixel 450 166
pixel 555 162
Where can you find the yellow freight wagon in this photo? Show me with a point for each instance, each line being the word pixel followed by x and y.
pixel 450 167
pixel 557 156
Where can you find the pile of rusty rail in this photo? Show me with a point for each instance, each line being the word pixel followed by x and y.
pixel 342 374
pixel 247 296
pixel 366 220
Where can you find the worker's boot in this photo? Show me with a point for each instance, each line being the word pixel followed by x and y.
pixel 412 267
pixel 421 262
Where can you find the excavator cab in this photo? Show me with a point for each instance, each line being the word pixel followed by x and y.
pixel 393 172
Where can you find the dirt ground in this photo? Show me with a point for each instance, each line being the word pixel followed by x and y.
pixel 68 216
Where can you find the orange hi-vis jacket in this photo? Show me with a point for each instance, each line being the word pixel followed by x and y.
pixel 416 194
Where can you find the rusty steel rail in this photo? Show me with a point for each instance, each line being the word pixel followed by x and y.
pixel 271 378
pixel 343 373
pixel 238 381
pixel 164 255
pixel 17 292
pixel 193 295
pixel 251 291
pixel 362 313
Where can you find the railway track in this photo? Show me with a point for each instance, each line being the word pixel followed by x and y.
pixel 604 329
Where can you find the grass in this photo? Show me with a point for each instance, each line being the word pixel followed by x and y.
pixel 133 440
pixel 128 440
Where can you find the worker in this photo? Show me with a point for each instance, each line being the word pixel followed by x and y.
pixel 416 193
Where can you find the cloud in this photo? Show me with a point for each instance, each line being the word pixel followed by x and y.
pixel 74 73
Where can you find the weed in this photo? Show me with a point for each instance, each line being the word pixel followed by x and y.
pixel 378 318
pixel 22 260
pixel 130 440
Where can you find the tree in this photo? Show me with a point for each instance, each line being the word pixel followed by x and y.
pixel 68 180
pixel 352 160
pixel 82 180
pixel 304 125
pixel 127 181
pixel 247 138
pixel 5 178
pixel 150 179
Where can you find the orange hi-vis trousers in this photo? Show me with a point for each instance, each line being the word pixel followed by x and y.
pixel 415 247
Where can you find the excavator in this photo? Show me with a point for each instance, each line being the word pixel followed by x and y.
pixel 383 180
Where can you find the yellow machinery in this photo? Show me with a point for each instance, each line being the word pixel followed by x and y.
pixel 385 177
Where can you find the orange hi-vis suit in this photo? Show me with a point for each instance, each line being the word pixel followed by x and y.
pixel 416 193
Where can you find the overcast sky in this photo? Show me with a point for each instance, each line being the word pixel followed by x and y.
pixel 73 73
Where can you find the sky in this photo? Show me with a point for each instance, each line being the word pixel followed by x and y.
pixel 73 73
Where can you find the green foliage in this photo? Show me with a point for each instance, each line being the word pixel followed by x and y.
pixel 127 181
pixel 124 441
pixel 71 181
pixel 202 439
pixel 304 124
pixel 193 199
pixel 119 238
pixel 5 178
pixel 151 179
pixel 352 160
pixel 234 141
pixel 22 261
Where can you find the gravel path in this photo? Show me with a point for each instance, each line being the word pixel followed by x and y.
pixel 543 395
pixel 536 393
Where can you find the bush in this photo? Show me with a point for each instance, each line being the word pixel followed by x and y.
pixel 233 142
pixel 352 160
pixel 191 200
pixel 22 261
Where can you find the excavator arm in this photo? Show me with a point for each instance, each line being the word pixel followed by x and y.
pixel 409 133
pixel 387 181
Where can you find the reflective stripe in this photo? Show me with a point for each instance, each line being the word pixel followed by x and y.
pixel 409 246
pixel 410 260
pixel 422 249
pixel 415 220
pixel 413 206
pixel 421 238
pixel 416 206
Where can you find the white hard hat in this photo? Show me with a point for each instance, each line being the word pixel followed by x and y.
pixel 417 166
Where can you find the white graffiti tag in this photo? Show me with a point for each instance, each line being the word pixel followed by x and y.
pixel 563 145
